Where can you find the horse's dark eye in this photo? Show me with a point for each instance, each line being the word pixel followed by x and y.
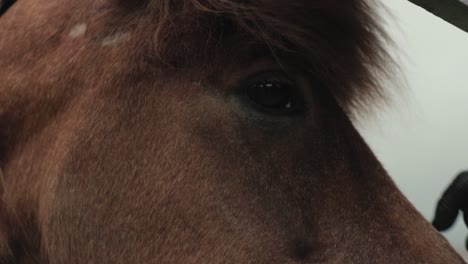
pixel 273 94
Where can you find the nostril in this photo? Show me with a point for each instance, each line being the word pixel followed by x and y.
pixel 4 5
pixel 302 249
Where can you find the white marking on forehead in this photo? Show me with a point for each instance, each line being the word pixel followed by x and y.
pixel 78 30
pixel 197 83
pixel 115 39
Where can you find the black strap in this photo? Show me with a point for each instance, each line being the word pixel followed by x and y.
pixel 453 201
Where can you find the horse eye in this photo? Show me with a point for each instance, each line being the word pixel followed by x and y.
pixel 273 94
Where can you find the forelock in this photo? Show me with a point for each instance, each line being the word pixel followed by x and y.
pixel 341 43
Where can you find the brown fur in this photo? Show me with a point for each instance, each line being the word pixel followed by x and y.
pixel 141 153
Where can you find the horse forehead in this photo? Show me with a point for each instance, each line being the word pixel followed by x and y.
pixel 78 30
pixel 115 39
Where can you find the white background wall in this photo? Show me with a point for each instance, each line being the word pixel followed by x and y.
pixel 422 139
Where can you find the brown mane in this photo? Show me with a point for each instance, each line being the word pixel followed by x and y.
pixel 345 51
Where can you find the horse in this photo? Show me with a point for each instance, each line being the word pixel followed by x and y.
pixel 198 131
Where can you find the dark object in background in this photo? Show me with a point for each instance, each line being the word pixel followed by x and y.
pixel 454 200
pixel 453 11
pixel 5 4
